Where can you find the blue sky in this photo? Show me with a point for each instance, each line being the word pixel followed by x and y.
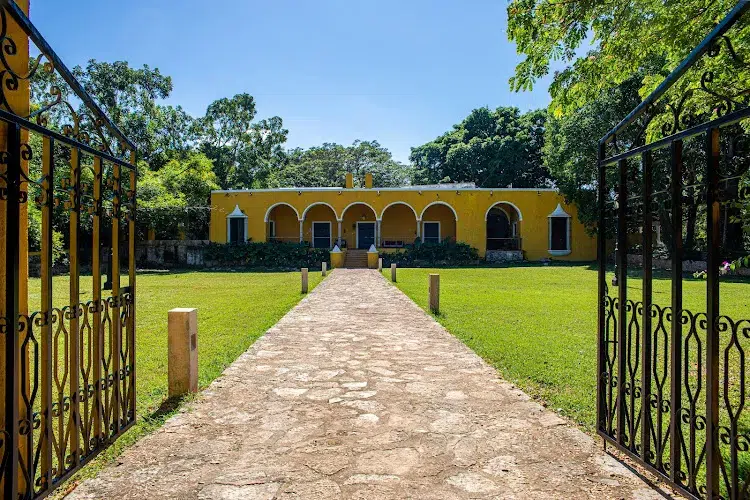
pixel 399 71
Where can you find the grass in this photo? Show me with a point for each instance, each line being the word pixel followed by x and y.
pixel 537 324
pixel 234 309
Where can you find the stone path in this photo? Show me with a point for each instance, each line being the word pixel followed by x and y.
pixel 357 393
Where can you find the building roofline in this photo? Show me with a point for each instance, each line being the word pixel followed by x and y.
pixel 364 190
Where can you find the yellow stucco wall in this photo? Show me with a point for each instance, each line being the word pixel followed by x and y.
pixel 470 205
pixel 399 223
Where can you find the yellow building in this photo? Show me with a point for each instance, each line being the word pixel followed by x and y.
pixel 502 223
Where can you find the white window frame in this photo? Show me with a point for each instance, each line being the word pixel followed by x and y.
pixel 271 228
pixel 374 229
pixel 559 213
pixel 440 229
pixel 236 214
pixel 330 232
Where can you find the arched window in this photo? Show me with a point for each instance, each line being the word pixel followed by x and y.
pixel 559 232
pixel 236 226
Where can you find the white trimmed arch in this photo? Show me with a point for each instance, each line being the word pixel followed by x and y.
pixel 268 212
pixel 518 211
pixel 421 216
pixel 416 216
pixel 319 203
pixel 374 212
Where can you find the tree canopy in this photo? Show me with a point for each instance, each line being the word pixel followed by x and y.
pixel 603 44
pixel 490 148
pixel 328 164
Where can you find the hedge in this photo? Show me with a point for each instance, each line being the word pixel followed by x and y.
pixel 447 253
pixel 268 255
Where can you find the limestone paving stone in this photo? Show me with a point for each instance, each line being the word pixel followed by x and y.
pixel 357 393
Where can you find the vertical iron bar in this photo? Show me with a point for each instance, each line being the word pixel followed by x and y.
pixel 97 336
pixel 48 173
pixel 676 340
pixel 713 456
pixel 74 344
pixel 131 281
pixel 648 233
pixel 12 307
pixel 601 251
pixel 115 310
pixel 622 281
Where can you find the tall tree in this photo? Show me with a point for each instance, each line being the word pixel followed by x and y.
pixel 243 152
pixel 126 95
pixel 328 164
pixel 490 148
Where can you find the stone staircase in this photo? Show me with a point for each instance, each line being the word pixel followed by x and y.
pixel 356 259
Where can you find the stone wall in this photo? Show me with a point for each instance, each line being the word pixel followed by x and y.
pixel 504 256
pixel 688 266
pixel 170 253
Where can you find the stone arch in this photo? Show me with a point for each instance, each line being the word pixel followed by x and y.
pixel 270 209
pixel 518 211
pixel 319 203
pixel 421 216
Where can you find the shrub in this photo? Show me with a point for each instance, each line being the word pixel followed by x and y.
pixel 446 253
pixel 268 255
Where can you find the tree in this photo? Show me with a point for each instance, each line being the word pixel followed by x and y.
pixel 126 95
pixel 626 38
pixel 328 164
pixel 570 151
pixel 176 197
pixel 177 133
pixel 571 154
pixel 243 152
pixel 489 148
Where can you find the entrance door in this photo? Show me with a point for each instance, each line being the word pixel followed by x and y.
pixel 321 234
pixel 365 234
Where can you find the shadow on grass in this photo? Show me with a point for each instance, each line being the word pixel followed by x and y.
pixel 166 409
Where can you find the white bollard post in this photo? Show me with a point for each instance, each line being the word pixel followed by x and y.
pixel 325 269
pixel 380 264
pixel 304 280
pixel 393 272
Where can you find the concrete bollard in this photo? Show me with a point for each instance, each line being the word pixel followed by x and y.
pixel 380 264
pixel 325 269
pixel 393 272
pixel 304 280
pixel 434 291
pixel 182 326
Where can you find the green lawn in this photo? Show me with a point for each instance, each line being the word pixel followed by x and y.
pixel 234 309
pixel 537 324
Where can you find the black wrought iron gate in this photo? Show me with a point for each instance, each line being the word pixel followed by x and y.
pixel 672 388
pixel 68 342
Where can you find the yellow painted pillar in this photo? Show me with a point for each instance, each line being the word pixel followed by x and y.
pixel 337 258
pixel 18 102
pixel 372 258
